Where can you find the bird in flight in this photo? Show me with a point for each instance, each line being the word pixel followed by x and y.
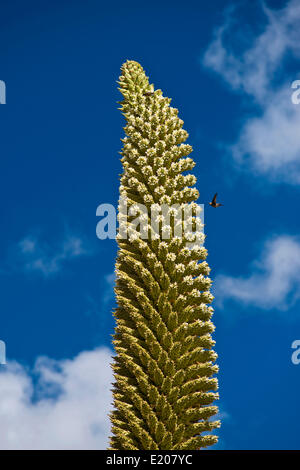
pixel 214 202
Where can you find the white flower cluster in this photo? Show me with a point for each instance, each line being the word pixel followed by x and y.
pixel 189 280
pixel 153 181
pixel 170 256
pixel 148 199
pixel 141 161
pixel 195 293
pixel 160 190
pixel 161 172
pixel 166 200
pixel 180 268
pixel 147 170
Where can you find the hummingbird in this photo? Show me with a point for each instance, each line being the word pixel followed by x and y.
pixel 214 202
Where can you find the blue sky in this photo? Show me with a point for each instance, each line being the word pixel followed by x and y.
pixel 228 67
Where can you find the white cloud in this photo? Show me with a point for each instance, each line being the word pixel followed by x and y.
pixel 274 282
pixel 33 255
pixel 269 142
pixel 254 71
pixel 66 409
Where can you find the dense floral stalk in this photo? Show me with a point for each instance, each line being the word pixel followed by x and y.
pixel 164 365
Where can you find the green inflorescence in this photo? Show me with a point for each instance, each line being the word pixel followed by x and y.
pixel 164 365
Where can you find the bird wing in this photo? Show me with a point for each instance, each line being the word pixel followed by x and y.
pixel 214 198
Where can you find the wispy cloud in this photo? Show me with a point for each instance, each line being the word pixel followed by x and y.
pixel 33 255
pixel 224 417
pixel 108 292
pixel 67 408
pixel 269 142
pixel 101 301
pixel 273 281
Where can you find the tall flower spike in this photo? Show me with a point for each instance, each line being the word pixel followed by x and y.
pixel 164 367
